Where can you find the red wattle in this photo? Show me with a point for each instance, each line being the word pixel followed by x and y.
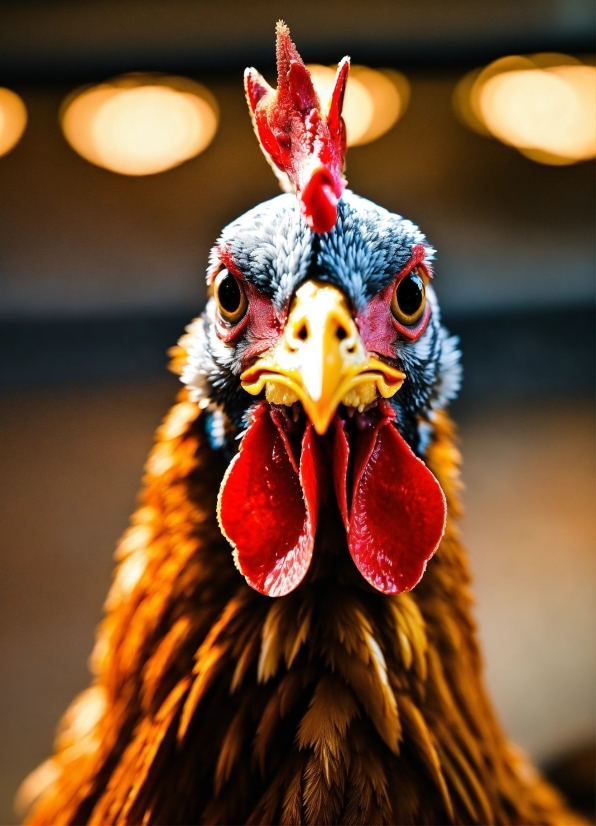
pixel 398 510
pixel 267 507
pixel 269 500
pixel 341 457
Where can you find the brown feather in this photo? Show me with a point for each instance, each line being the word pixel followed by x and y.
pixel 335 704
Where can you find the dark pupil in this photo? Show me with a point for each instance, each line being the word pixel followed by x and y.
pixel 229 294
pixel 410 294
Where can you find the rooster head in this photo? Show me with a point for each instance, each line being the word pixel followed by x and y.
pixel 320 358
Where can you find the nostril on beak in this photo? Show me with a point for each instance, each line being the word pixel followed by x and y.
pixel 302 332
pixel 341 334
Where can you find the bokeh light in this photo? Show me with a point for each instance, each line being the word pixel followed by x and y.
pixel 544 106
pixel 140 124
pixel 374 100
pixel 13 119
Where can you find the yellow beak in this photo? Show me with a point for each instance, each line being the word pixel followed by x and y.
pixel 321 360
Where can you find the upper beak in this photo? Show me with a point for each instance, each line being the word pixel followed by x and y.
pixel 321 360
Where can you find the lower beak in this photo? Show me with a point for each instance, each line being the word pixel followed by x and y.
pixel 321 360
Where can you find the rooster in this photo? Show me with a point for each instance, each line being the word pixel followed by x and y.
pixel 264 657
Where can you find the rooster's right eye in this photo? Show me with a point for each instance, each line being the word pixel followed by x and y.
pixel 230 297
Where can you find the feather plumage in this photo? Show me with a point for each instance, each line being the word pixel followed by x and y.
pixel 335 704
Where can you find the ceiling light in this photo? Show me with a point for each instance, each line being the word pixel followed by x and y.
pixel 140 124
pixel 373 102
pixel 544 106
pixel 13 119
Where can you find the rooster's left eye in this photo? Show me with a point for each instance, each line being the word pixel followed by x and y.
pixel 409 299
pixel 230 297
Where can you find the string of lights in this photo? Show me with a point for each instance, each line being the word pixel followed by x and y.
pixel 544 106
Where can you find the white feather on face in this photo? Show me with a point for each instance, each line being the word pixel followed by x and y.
pixel 275 251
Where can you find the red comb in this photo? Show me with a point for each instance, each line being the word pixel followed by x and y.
pixel 305 145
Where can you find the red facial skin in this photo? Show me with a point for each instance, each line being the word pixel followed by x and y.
pixel 378 327
pixel 392 506
pixel 262 322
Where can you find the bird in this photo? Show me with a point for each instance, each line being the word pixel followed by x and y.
pixel 289 636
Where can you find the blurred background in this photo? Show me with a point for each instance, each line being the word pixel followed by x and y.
pixel 125 147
